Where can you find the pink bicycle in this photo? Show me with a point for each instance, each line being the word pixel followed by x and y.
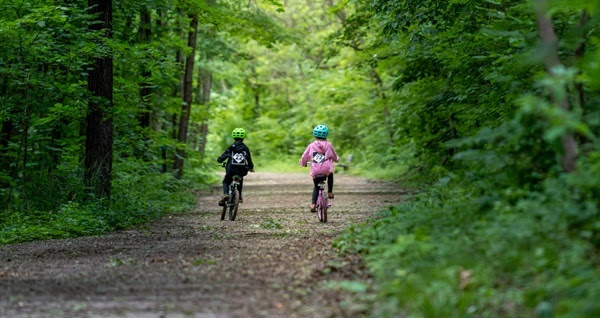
pixel 322 200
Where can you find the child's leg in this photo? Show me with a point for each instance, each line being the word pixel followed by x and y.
pixel 226 182
pixel 240 187
pixel 330 183
pixel 315 193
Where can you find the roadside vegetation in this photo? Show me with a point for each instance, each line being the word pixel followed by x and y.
pixel 497 104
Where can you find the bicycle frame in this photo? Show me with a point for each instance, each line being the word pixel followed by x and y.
pixel 322 201
pixel 234 199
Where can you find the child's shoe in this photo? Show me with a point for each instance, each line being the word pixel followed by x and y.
pixel 330 195
pixel 313 208
pixel 223 200
pixel 241 200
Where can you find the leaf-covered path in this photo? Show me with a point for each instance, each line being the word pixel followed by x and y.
pixel 273 261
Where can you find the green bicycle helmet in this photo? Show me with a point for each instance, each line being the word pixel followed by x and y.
pixel 238 133
pixel 321 131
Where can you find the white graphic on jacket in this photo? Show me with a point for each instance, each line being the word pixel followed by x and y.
pixel 318 157
pixel 239 159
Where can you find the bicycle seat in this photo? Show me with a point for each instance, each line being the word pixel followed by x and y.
pixel 320 177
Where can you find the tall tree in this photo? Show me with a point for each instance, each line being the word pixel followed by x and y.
pixel 552 62
pixel 205 85
pixel 99 123
pixel 187 97
pixel 145 33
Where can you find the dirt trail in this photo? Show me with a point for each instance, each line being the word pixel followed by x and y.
pixel 194 265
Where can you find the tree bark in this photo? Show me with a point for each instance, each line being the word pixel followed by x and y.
pixel 187 98
pixel 206 88
pixel 551 61
pixel 386 110
pixel 5 134
pixel 26 125
pixel 145 90
pixel 7 124
pixel 99 125
pixel 579 52
pixel 55 136
pixel 181 57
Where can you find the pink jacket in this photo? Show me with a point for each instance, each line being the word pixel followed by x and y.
pixel 322 155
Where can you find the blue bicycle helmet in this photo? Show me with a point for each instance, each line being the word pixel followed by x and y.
pixel 321 131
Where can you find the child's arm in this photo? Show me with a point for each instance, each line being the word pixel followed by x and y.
pixel 305 157
pixel 249 159
pixel 225 155
pixel 333 154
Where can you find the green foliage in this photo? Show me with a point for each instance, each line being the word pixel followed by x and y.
pixel 271 224
pixel 503 231
pixel 452 96
pixel 46 52
pixel 456 251
pixel 139 198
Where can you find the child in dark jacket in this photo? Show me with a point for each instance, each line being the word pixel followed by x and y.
pixel 239 162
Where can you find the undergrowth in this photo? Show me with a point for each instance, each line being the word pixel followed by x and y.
pixel 140 194
pixel 460 251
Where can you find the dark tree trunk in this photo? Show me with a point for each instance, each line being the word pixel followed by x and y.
pixel 175 124
pixel 579 52
pixel 551 61
pixel 99 125
pixel 187 98
pixel 7 124
pixel 145 90
pixel 55 135
pixel 181 58
pixel 25 141
pixel 160 22
pixel 206 88
pixel 5 134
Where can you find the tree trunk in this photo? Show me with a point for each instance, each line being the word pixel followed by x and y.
pixel 99 125
pixel 579 52
pixel 206 88
pixel 551 61
pixel 26 147
pixel 386 110
pixel 181 57
pixel 187 98
pixel 55 135
pixel 5 134
pixel 145 90
pixel 7 124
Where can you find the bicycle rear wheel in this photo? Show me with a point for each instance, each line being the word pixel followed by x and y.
pixel 322 206
pixel 235 202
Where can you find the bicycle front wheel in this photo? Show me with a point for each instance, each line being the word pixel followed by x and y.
pixel 322 208
pixel 235 202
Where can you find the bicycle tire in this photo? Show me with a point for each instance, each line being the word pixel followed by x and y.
pixel 324 207
pixel 235 202
pixel 224 211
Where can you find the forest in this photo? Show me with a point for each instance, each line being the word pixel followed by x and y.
pixel 113 113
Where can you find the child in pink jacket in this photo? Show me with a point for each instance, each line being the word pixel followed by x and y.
pixel 321 155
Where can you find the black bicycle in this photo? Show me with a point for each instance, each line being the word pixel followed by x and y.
pixel 233 202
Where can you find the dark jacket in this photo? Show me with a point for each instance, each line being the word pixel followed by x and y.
pixel 239 161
